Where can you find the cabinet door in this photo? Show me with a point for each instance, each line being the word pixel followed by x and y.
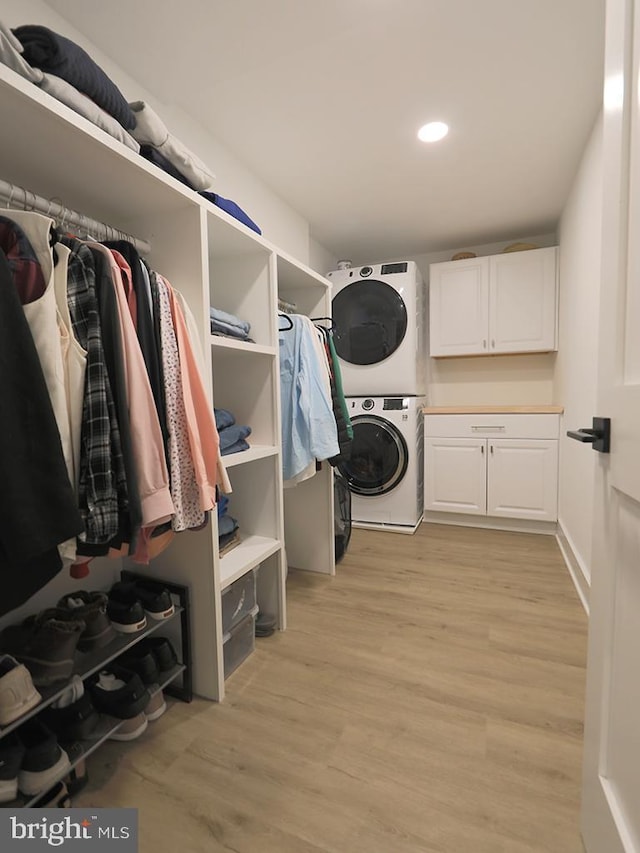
pixel 455 475
pixel 458 307
pixel 522 301
pixel 522 478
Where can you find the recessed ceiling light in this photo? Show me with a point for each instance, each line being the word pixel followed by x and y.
pixel 433 132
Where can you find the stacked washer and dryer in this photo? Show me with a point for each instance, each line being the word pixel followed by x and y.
pixel 379 318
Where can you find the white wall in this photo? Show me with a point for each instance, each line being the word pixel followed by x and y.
pixel 576 365
pixel 280 224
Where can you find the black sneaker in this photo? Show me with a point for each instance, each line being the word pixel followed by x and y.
pixel 91 607
pixel 119 692
pixel 143 662
pixel 11 755
pixel 59 797
pixel 73 716
pixel 155 599
pixel 45 644
pixel 127 617
pixel 162 651
pixel 44 760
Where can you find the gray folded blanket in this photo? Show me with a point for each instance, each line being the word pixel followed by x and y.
pixel 60 56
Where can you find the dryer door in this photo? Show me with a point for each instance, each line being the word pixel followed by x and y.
pixel 371 321
pixel 379 456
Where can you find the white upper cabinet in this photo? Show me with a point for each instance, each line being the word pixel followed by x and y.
pixel 498 304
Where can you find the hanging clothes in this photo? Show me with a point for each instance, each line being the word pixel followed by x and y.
pixel 37 503
pixel 308 426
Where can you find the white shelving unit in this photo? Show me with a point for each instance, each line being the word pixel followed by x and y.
pixel 213 260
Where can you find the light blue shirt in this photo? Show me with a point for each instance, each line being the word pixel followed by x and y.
pixel 308 426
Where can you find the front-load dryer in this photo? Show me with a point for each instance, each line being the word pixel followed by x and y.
pixel 386 470
pixel 379 319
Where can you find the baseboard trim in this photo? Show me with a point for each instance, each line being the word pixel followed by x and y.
pixel 574 566
pixel 409 529
pixel 514 525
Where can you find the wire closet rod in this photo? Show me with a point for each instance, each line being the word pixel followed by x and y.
pixel 22 199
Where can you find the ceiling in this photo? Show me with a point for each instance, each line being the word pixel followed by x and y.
pixel 322 100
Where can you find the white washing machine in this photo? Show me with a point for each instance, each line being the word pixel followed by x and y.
pixel 379 317
pixel 386 469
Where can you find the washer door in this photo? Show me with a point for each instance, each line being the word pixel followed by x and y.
pixel 371 321
pixel 379 456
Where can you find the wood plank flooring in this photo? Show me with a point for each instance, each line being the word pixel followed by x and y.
pixel 428 699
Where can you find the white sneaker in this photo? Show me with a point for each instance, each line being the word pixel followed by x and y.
pixel 17 693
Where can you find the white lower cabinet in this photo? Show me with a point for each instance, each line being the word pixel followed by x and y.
pixel 499 474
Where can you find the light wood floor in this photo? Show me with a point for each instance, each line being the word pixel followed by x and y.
pixel 428 698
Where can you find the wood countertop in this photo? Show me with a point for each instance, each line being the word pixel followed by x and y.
pixel 493 410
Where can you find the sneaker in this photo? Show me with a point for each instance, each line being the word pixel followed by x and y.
pixel 45 644
pixel 143 662
pixel 119 692
pixel 91 607
pixel 11 755
pixel 162 651
pixel 131 728
pixel 44 760
pixel 157 705
pixel 17 693
pixel 126 617
pixel 72 716
pixel 155 599
pixel 59 797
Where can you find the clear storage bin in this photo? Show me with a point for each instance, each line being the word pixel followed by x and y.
pixel 239 643
pixel 238 600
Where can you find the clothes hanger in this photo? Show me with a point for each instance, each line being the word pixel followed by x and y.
pixel 288 319
pixel 332 325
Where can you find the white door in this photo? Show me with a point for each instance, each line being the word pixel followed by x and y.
pixel 522 478
pixel 459 307
pixel 455 475
pixel 522 301
pixel 611 780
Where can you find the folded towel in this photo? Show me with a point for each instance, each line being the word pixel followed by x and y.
pixel 222 505
pixel 232 209
pixel 150 130
pixel 235 448
pixel 60 56
pixel 224 418
pixel 11 54
pixel 231 434
pixel 229 319
pixel 226 329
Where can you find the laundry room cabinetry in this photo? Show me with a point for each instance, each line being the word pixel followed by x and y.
pixel 499 466
pixel 499 304
pixel 212 259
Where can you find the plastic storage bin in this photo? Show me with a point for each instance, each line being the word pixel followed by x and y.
pixel 239 643
pixel 238 600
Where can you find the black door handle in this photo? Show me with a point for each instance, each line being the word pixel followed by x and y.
pixel 599 436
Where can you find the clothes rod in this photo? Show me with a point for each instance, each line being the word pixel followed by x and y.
pixel 22 199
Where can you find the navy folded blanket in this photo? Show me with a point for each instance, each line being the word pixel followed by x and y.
pixel 64 58
pixel 232 209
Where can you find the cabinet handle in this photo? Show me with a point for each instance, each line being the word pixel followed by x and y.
pixel 494 428
pixel 492 449
pixel 484 343
pixel 482 449
pixel 493 343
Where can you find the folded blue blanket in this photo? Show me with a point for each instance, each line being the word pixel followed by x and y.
pixel 60 56
pixel 222 505
pixel 231 434
pixel 226 525
pixel 235 448
pixel 229 319
pixel 230 331
pixel 224 418
pixel 232 209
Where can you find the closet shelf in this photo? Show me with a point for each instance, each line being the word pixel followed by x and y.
pixel 232 344
pixel 256 451
pixel 89 663
pixel 248 554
